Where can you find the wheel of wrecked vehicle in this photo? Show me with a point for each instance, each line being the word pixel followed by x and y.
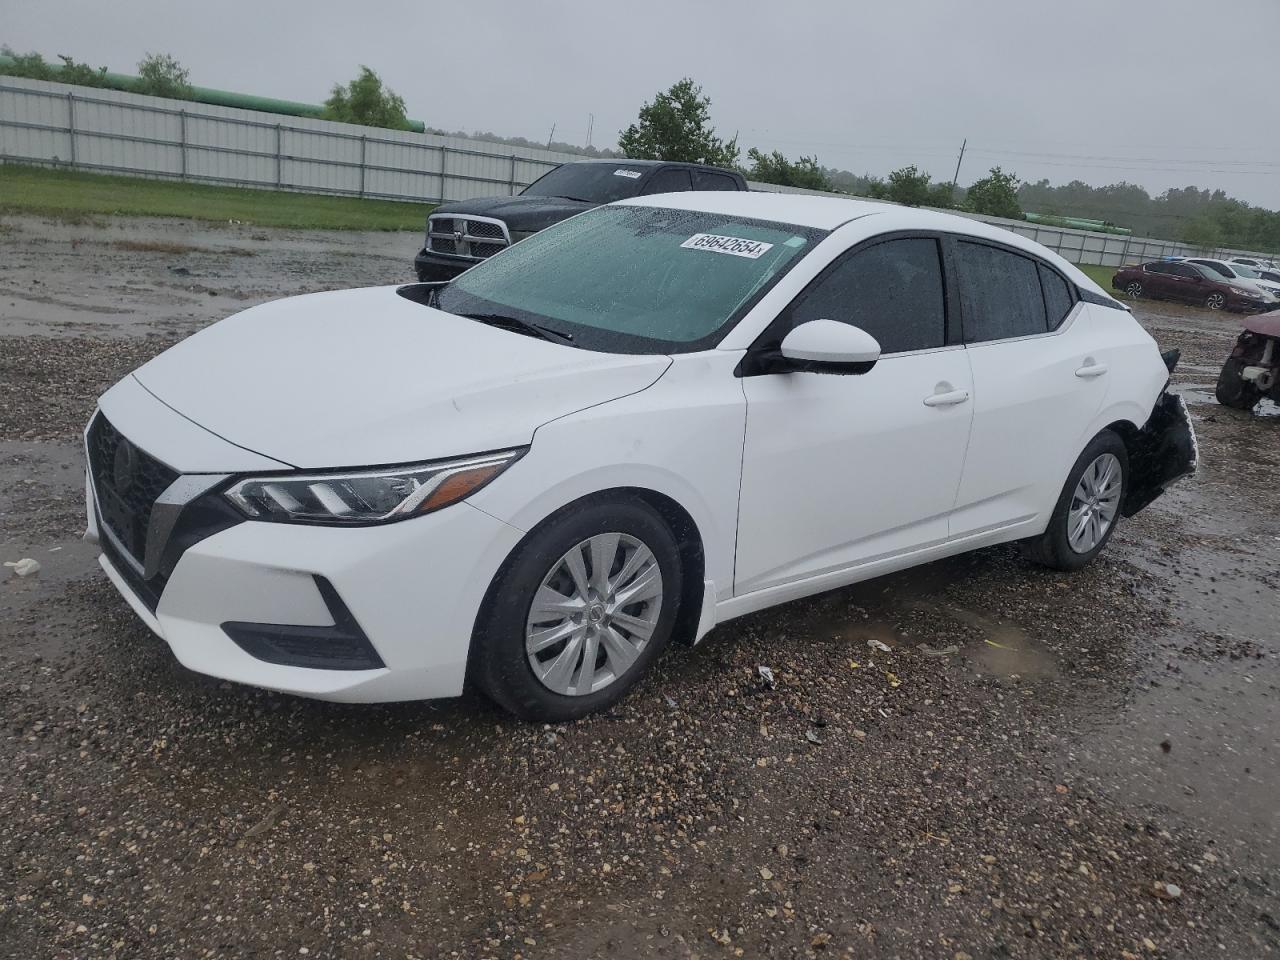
pixel 1088 508
pixel 578 613
pixel 1133 288
pixel 1235 391
pixel 1215 301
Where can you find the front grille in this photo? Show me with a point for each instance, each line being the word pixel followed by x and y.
pixel 482 228
pixel 127 481
pixel 459 237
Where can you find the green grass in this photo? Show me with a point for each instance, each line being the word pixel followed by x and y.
pixel 1099 275
pixel 78 197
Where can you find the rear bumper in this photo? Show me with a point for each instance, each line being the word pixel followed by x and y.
pixel 1164 452
pixel 432 267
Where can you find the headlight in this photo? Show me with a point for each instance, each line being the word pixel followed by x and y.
pixel 367 496
pixel 1241 293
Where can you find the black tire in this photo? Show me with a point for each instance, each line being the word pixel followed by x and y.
pixel 1133 289
pixel 1053 548
pixel 499 664
pixel 1233 390
pixel 1216 301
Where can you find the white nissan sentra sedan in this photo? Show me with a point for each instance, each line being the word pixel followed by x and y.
pixel 642 422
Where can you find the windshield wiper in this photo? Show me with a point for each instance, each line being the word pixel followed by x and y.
pixel 521 326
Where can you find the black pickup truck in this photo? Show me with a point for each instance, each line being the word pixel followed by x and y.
pixel 463 233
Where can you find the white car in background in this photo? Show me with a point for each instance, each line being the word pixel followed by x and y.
pixel 1239 274
pixel 639 423
pixel 1253 263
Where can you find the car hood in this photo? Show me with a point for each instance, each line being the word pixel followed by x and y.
pixel 364 377
pixel 522 214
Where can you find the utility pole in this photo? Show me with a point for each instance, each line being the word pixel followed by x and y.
pixel 959 160
pixel 591 122
pixel 551 136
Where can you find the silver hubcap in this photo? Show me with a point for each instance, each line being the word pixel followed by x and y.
pixel 1094 504
pixel 593 614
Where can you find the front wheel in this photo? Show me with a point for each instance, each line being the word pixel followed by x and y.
pixel 1215 301
pixel 1233 390
pixel 1088 508
pixel 580 612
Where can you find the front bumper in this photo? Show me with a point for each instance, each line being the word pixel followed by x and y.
pixel 433 267
pixel 361 614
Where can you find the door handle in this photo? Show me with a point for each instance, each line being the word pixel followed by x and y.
pixel 948 399
pixel 1091 370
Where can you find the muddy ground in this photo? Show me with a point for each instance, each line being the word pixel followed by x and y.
pixel 1035 755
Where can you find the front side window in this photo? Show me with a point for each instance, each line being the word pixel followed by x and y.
pixel 1217 268
pixel 1000 292
pixel 892 290
pixel 1184 270
pixel 634 279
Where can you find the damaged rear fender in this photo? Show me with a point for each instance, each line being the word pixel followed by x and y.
pixel 1162 452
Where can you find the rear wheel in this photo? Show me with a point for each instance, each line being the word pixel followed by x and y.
pixel 1216 301
pixel 1133 288
pixel 1235 391
pixel 1088 508
pixel 580 612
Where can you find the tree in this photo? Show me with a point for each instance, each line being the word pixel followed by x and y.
pixel 365 101
pixel 996 195
pixel 160 75
pixel 775 168
pixel 909 187
pixel 676 126
pixel 35 67
pixel 942 195
pixel 1203 233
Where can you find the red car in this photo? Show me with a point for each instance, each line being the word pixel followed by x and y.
pixel 1189 283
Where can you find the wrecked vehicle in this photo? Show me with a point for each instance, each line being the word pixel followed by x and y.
pixel 1252 372
pixel 639 423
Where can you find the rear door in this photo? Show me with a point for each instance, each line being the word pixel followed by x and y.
pixel 1038 382
pixel 842 470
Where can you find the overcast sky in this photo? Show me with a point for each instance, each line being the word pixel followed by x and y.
pixel 1164 93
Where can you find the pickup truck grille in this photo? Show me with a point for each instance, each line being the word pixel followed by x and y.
pixel 473 238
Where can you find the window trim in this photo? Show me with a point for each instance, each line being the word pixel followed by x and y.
pixel 769 338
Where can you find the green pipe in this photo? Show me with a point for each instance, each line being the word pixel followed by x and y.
pixel 221 98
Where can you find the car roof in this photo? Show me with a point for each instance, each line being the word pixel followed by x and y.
pixel 830 212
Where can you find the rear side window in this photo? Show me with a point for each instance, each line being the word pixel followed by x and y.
pixel 892 290
pixel 706 180
pixel 669 181
pixel 1156 267
pixel 1057 296
pixel 1000 292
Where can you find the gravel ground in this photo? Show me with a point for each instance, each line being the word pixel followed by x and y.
pixel 1041 765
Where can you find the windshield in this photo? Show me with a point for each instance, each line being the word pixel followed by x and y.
pixel 629 279
pixel 1243 271
pixel 594 182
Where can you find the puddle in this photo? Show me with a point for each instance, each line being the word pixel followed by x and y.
pixel 1004 649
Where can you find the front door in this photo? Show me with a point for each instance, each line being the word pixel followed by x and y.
pixel 842 470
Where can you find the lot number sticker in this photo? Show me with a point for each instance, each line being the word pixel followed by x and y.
pixel 629 174
pixel 734 246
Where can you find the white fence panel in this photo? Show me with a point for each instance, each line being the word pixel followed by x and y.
pixel 117 132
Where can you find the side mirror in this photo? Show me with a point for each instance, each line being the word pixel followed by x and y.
pixel 825 346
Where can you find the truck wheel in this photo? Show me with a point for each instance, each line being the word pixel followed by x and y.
pixel 1233 390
